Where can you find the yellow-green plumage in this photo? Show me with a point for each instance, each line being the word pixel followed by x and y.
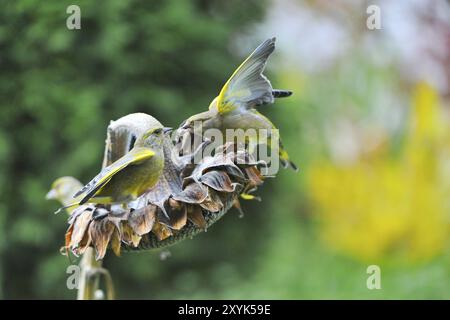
pixel 63 190
pixel 130 176
pixel 127 178
pixel 247 88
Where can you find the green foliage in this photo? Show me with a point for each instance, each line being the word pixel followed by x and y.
pixel 59 89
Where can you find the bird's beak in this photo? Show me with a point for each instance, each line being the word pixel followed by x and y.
pixel 51 195
pixel 167 130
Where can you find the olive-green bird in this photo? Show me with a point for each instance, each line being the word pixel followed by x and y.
pixel 246 89
pixel 128 177
pixel 63 190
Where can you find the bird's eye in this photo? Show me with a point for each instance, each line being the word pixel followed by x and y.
pixel 158 131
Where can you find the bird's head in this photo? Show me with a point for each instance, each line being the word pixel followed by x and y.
pixel 153 137
pixel 63 189
pixel 203 118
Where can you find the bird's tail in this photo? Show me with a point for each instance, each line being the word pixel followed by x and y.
pixel 285 161
pixel 277 93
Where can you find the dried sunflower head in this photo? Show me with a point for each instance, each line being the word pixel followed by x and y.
pixel 187 199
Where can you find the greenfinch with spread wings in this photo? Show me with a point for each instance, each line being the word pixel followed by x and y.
pixel 130 176
pixel 246 89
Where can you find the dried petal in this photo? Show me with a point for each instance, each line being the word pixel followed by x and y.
pixel 129 236
pixel 100 233
pixel 161 231
pixel 115 242
pixel 68 236
pixel 208 163
pixel 80 227
pixel 218 180
pixel 142 220
pixel 79 210
pixel 174 204
pixel 213 202
pixel 195 214
pixel 192 193
pixel 235 172
pixel 83 244
pixel 177 217
pixel 117 222
pixel 255 177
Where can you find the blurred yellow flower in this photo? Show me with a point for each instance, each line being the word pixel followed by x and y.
pixel 386 206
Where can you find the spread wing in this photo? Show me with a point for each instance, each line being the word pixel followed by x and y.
pixel 248 87
pixel 135 156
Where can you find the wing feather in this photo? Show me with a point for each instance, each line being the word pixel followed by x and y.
pixel 135 156
pixel 248 87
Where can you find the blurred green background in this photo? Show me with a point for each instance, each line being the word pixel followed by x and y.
pixel 368 124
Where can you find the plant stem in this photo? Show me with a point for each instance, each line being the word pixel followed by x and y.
pixel 88 280
pixel 91 270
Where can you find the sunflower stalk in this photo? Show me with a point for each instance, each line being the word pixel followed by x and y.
pixel 88 284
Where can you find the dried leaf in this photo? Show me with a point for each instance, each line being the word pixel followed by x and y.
pixel 213 202
pixel 218 180
pixel 195 214
pixel 115 242
pixel 235 172
pixel 129 236
pixel 117 222
pixel 208 163
pixel 177 216
pixel 68 236
pixel 81 225
pixel 142 220
pixel 83 244
pixel 79 210
pixel 174 204
pixel 255 177
pixel 161 231
pixel 192 193
pixel 100 233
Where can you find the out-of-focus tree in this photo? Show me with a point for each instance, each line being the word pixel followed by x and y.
pixel 59 88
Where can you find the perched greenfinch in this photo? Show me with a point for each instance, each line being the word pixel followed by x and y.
pixel 246 89
pixel 63 190
pixel 130 176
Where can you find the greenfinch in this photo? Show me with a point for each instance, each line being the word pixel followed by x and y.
pixel 130 176
pixel 246 89
pixel 63 190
